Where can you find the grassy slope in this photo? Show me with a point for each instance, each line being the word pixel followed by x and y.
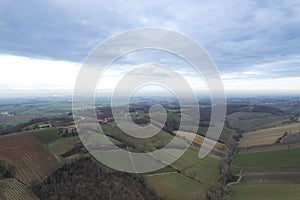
pixel 288 158
pixel 176 186
pixel 265 192
pixel 63 145
pixel 45 135
pixel 204 170
pixel 195 177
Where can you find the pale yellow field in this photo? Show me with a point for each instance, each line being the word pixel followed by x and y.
pixel 267 136
pixel 198 139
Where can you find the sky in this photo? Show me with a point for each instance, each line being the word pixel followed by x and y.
pixel 254 44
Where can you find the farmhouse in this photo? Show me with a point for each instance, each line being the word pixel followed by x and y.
pixel 67 132
pixel 45 125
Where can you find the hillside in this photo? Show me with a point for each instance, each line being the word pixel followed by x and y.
pixel 87 178
pixel 32 163
pixel 13 189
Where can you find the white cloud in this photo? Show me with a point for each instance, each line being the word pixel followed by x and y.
pixel 263 86
pixel 28 73
pixel 22 73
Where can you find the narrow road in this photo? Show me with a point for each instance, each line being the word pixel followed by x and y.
pixel 163 173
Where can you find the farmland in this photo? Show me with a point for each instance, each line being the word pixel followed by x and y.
pixel 13 189
pixel 54 143
pixel 251 121
pixel 188 177
pixel 268 136
pixel 176 186
pixel 197 174
pixel 268 170
pixel 62 145
pixel 265 192
pixel 45 135
pixel 26 109
pixel 198 140
pixel 148 144
pixel 191 178
pixel 267 175
pixel 287 158
pixel 31 161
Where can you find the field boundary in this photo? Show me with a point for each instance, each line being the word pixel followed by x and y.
pixel 268 147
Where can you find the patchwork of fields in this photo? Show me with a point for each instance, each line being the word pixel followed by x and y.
pixel 268 171
pixel 191 178
pixel 56 144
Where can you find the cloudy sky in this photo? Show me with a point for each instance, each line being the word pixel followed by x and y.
pixel 255 44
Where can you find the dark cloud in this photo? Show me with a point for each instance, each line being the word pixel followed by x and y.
pixel 237 34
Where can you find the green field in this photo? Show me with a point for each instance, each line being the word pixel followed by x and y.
pixel 148 144
pixel 267 175
pixel 56 144
pixel 176 186
pixel 265 192
pixel 45 135
pixel 205 170
pixel 26 109
pixel 63 145
pixel 191 180
pixel 282 158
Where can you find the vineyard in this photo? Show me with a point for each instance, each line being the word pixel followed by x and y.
pixel 13 189
pixel 31 161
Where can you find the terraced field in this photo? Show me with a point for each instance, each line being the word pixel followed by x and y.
pixel 13 189
pixel 267 175
pixel 31 161
pixel 267 136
